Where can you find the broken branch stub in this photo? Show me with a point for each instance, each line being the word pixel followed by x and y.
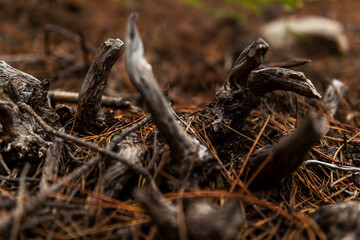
pixel 245 87
pixel 89 108
pixel 248 60
pixel 287 154
pixel 185 151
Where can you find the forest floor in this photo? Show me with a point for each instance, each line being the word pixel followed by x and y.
pixel 191 52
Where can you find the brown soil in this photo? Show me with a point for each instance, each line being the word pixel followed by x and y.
pixel 188 48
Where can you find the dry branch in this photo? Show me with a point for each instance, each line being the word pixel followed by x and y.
pixel 185 152
pixel 89 106
pixel 283 158
pixel 245 87
pixel 266 80
pixel 106 101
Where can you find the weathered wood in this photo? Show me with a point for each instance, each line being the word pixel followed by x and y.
pixel 89 108
pixel 286 155
pixel 339 221
pixel 34 203
pixel 19 211
pixel 266 80
pixel 248 60
pixel 198 219
pixel 185 151
pixel 21 138
pixel 106 101
pixel 22 87
pixel 51 165
pixel 245 87
pixel 116 176
pixel 80 142
pixel 333 95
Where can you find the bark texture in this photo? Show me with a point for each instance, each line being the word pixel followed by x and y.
pixel 90 111
pixel 21 137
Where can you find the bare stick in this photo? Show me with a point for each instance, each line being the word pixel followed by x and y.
pixel 183 149
pixel 331 165
pixel 248 60
pixel 73 37
pixel 106 101
pixel 89 105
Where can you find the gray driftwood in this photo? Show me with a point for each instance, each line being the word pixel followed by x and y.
pixel 89 108
pixel 187 154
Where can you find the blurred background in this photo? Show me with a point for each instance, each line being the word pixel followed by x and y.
pixel 190 43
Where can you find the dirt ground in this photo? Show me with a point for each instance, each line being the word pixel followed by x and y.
pixel 190 49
